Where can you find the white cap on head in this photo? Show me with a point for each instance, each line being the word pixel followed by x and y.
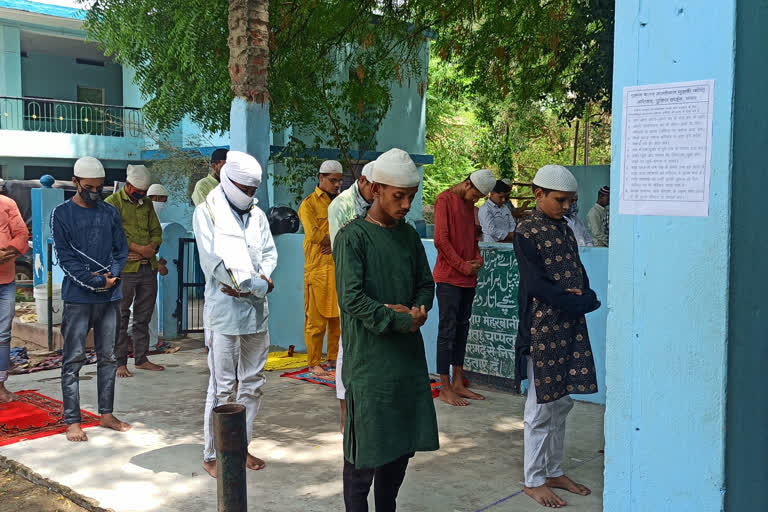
pixel 368 171
pixel 556 177
pixel 331 167
pixel 242 168
pixel 89 167
pixel 483 180
pixel 396 168
pixel 156 189
pixel 507 182
pixel 138 176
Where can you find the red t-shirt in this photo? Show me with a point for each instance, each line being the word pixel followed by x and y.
pixel 455 240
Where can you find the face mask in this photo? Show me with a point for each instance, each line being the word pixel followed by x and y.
pixel 239 199
pixel 90 198
pixel 573 209
pixel 138 196
pixel 159 205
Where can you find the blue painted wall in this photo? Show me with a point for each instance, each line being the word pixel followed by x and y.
pixel 747 408
pixel 590 178
pixel 286 304
pixel 53 76
pixel 668 284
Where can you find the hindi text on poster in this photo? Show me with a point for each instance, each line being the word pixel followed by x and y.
pixel 666 149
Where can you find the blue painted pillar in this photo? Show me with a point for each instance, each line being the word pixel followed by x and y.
pixel 44 200
pixel 249 132
pixel 10 78
pixel 686 295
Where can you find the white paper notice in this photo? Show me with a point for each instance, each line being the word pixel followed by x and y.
pixel 666 148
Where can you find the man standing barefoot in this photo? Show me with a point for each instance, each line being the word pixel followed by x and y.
pixel 92 250
pixel 554 295
pixel 238 256
pixel 456 269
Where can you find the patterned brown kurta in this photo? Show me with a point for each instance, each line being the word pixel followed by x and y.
pixel 552 322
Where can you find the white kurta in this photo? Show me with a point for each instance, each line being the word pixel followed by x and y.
pixel 218 229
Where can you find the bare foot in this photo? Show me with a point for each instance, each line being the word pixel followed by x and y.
pixel 147 365
pixel 466 393
pixel 109 421
pixel 210 467
pixel 122 371
pixel 75 433
pixel 450 397
pixel 563 482
pixel 545 497
pixel 319 371
pixel 5 395
pixel 254 463
pixel 332 364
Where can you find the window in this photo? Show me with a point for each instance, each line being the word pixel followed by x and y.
pixel 90 95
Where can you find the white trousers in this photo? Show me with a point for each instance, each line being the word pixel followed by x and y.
pixel 234 362
pixel 341 391
pixel 544 435
pixel 207 333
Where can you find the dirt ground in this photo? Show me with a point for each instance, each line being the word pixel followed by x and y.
pixel 17 493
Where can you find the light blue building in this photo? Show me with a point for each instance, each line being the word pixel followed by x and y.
pixel 61 98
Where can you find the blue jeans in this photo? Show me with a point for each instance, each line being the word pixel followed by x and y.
pixel 77 320
pixel 7 311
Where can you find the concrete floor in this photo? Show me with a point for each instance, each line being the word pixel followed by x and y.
pixel 156 466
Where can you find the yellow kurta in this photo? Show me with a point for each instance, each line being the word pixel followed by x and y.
pixel 320 302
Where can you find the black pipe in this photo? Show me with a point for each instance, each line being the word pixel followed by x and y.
pixel 229 436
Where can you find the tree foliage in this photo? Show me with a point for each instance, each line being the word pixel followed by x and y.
pixel 559 51
pixel 331 62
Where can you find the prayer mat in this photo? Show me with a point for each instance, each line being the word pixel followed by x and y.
pixel 20 363
pixel 306 375
pixel 281 361
pixel 33 415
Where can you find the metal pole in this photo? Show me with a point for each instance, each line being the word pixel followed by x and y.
pixel 229 436
pixel 576 143
pixel 50 296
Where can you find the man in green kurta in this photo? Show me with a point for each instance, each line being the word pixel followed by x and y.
pixel 385 289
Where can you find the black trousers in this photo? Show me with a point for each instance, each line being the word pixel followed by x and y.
pixel 386 480
pixel 455 305
pixel 139 289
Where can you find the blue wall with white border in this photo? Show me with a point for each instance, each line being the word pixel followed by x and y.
pixel 286 304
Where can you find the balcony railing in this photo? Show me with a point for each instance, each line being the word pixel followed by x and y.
pixel 58 116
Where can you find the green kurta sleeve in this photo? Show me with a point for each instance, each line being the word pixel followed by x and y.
pixel 349 255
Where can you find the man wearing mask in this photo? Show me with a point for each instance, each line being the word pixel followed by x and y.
pixel 321 311
pixel 92 250
pixel 238 256
pixel 144 234
pixel 205 185
pixel 159 197
pixel 580 231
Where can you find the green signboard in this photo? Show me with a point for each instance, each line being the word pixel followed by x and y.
pixel 493 326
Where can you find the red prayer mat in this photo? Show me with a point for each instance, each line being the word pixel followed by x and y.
pixel 306 375
pixel 33 415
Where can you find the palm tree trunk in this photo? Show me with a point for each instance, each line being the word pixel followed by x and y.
pixel 249 49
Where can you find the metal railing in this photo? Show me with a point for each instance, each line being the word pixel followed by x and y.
pixel 59 116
